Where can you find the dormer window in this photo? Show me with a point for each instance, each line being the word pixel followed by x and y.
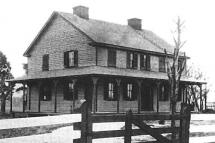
pixel 131 60
pixel 144 62
pixel 70 59
pixel 111 58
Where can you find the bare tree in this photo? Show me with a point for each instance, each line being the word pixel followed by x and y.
pixel 195 98
pixel 175 70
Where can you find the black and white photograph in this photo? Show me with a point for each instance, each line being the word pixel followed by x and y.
pixel 107 71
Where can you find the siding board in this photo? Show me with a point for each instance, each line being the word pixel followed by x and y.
pixel 59 37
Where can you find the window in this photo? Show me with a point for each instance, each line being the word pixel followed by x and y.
pixel 144 62
pixel 110 91
pixel 129 91
pixel 70 59
pixel 69 91
pixel 164 92
pixel 131 60
pixel 111 58
pixel 45 92
pixel 45 64
pixel 162 67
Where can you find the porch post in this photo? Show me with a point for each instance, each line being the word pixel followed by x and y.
pixel 11 101
pixel 94 94
pixel 118 82
pixel 158 94
pixel 183 95
pixel 205 98
pixel 23 98
pixel 55 95
pixel 201 102
pixel 39 87
pixel 73 80
pixel 186 88
pixel 29 95
pixel 139 83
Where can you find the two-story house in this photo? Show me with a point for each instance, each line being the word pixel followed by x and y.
pixel 113 67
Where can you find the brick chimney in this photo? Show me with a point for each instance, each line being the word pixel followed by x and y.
pixel 135 23
pixel 81 11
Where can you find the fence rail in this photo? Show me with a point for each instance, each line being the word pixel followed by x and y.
pixel 139 120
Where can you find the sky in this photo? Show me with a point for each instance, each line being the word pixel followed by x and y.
pixel 21 20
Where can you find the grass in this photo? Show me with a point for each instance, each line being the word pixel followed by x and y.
pixel 27 131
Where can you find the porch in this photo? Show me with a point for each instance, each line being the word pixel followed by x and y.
pixel 105 93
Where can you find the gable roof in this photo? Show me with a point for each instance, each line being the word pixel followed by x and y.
pixel 113 34
pixel 116 34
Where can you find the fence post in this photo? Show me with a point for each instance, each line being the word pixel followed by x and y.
pixel 86 124
pixel 185 123
pixel 128 127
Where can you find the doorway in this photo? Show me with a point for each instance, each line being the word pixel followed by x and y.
pixel 146 98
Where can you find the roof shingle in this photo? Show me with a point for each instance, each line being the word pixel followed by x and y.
pixel 116 34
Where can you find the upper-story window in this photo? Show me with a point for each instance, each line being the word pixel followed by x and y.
pixel 111 58
pixel 144 62
pixel 70 59
pixel 132 60
pixel 45 92
pixel 69 91
pixel 163 92
pixel 45 64
pixel 162 64
pixel 129 91
pixel 110 91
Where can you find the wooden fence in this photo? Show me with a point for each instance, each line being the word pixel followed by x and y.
pixel 139 120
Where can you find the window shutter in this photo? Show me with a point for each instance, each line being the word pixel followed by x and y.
pixel 166 92
pixel 128 60
pixel 76 58
pixel 180 91
pixel 45 64
pixel 142 60
pixel 76 93
pixel 41 92
pixel 125 91
pixel 65 90
pixel 66 59
pixel 135 61
pixel 162 64
pixel 148 65
pixel 49 94
pixel 105 90
pixel 134 92
pixel 115 92
pixel 112 57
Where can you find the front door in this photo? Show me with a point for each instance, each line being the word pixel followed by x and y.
pixel 146 98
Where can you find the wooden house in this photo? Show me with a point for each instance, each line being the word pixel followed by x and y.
pixel 113 67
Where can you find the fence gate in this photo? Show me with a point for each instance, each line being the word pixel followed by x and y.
pixel 182 130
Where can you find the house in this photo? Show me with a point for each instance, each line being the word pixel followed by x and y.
pixel 113 67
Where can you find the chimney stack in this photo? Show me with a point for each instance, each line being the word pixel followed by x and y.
pixel 135 23
pixel 81 11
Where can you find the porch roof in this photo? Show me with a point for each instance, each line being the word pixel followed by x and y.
pixel 100 70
